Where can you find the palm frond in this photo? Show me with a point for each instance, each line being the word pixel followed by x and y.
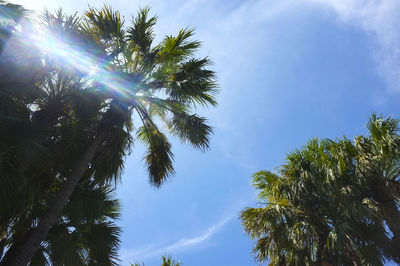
pixel 141 33
pixel 159 156
pixel 180 47
pixel 193 83
pixel 104 23
pixel 192 128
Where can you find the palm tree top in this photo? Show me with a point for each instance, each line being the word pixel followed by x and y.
pixel 122 64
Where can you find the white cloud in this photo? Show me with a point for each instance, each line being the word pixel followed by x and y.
pixel 130 255
pixel 381 20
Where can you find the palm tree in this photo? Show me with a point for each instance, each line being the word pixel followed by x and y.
pixel 85 234
pixel 160 82
pixel 11 15
pixel 166 261
pixel 31 144
pixel 379 165
pixel 322 207
pixel 20 150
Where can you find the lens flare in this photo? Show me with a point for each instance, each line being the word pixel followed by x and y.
pixel 69 54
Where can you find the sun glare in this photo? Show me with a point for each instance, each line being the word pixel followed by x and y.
pixel 69 55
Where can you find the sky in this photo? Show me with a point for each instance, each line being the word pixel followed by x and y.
pixel 288 71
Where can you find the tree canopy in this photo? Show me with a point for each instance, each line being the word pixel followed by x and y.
pixel 166 261
pixel 334 202
pixel 69 89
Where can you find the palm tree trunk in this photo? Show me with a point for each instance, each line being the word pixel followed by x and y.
pixel 23 253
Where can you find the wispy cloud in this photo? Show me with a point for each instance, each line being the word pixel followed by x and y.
pixel 141 253
pixel 381 20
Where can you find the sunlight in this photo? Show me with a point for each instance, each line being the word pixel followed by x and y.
pixel 68 54
pixel 123 137
pixel 93 71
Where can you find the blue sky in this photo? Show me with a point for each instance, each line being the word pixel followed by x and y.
pixel 288 71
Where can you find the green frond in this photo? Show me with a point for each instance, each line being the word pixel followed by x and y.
pixel 159 156
pixel 379 127
pixel 141 34
pixel 333 200
pixel 193 83
pixel 168 261
pixel 264 180
pixel 105 24
pixel 108 163
pixel 165 105
pixel 192 129
pixel 102 240
pixel 180 47
pixel 61 25
pixel 91 202
pixel 62 246
pixel 86 233
pixel 54 110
